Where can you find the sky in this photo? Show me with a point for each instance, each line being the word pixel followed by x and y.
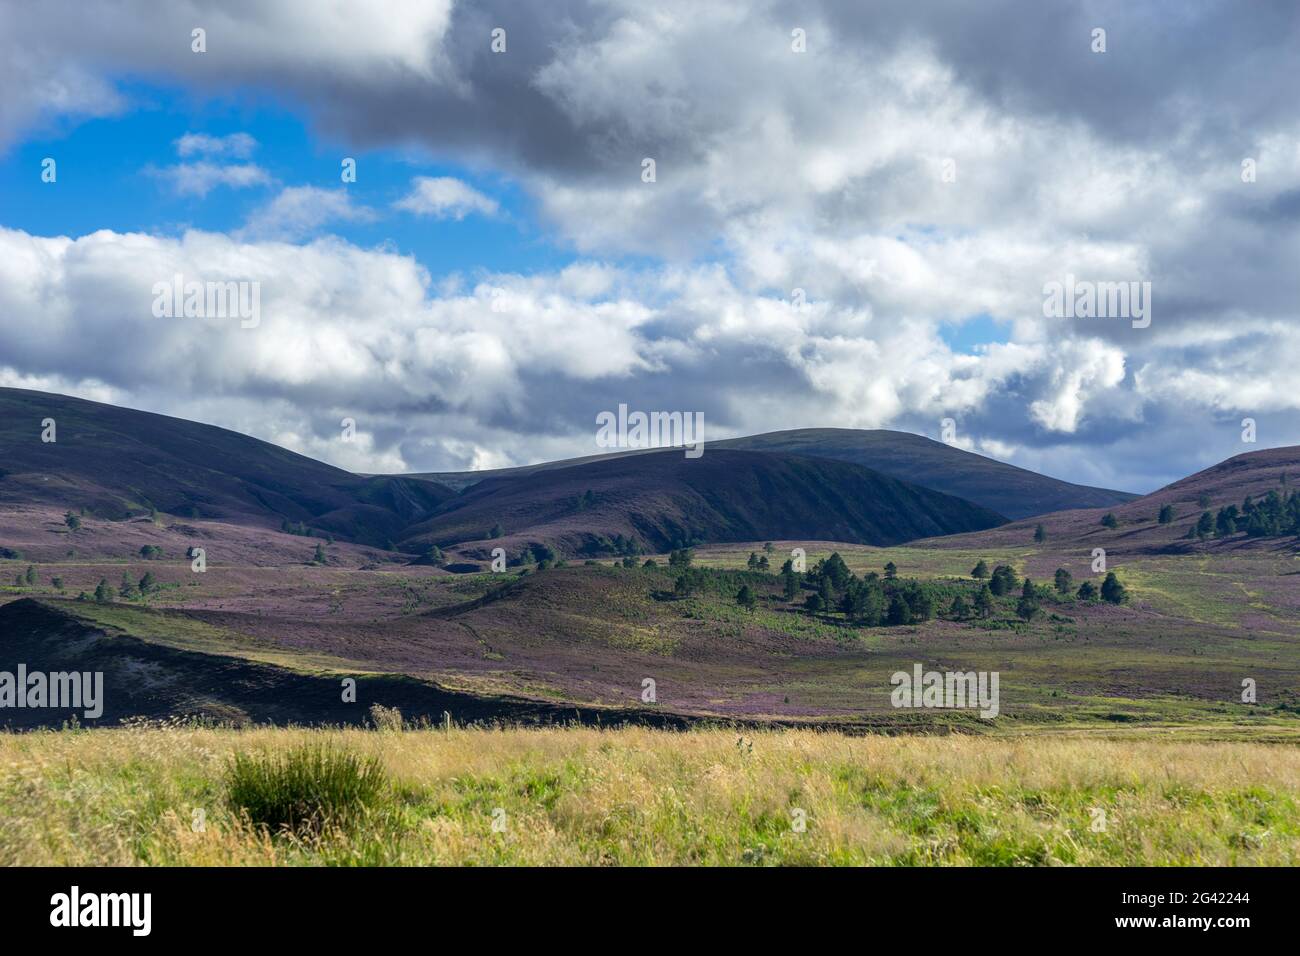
pixel 855 213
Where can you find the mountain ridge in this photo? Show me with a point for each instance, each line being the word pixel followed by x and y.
pixel 1003 488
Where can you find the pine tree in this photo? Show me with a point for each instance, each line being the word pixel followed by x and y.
pixel 745 597
pixel 1004 580
pixel 984 602
pixel 980 571
pixel 1064 581
pixel 1040 534
pixel 1027 606
pixel 1112 590
pixel 103 593
pixel 1166 515
pixel 959 610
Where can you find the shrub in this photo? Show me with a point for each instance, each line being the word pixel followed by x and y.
pixel 680 558
pixel 1109 520
pixel 304 790
pixel 385 718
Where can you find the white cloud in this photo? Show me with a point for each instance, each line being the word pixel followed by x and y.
pixel 445 198
pixel 298 211
pixel 819 171
pixel 235 145
pixel 199 179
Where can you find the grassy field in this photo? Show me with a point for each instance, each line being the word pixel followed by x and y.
pixel 1194 628
pixel 152 795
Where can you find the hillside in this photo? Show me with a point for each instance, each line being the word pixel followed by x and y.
pixel 1137 526
pixel 1006 489
pixel 997 486
pixel 664 500
pixel 116 462
pixel 47 638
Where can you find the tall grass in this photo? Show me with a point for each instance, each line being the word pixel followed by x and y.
pixel 304 790
pixel 583 796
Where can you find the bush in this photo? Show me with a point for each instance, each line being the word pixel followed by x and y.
pixel 305 790
pixel 386 718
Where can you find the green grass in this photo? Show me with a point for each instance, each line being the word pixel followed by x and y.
pixel 304 790
pixel 580 796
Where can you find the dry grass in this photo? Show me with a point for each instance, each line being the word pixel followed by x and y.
pixel 586 796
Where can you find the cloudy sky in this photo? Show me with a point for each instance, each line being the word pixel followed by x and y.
pixel 854 212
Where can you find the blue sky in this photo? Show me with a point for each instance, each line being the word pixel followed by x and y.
pixel 108 178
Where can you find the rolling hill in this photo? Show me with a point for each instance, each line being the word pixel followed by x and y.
pixel 116 462
pixel 664 500
pixel 995 485
pixel 1137 527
